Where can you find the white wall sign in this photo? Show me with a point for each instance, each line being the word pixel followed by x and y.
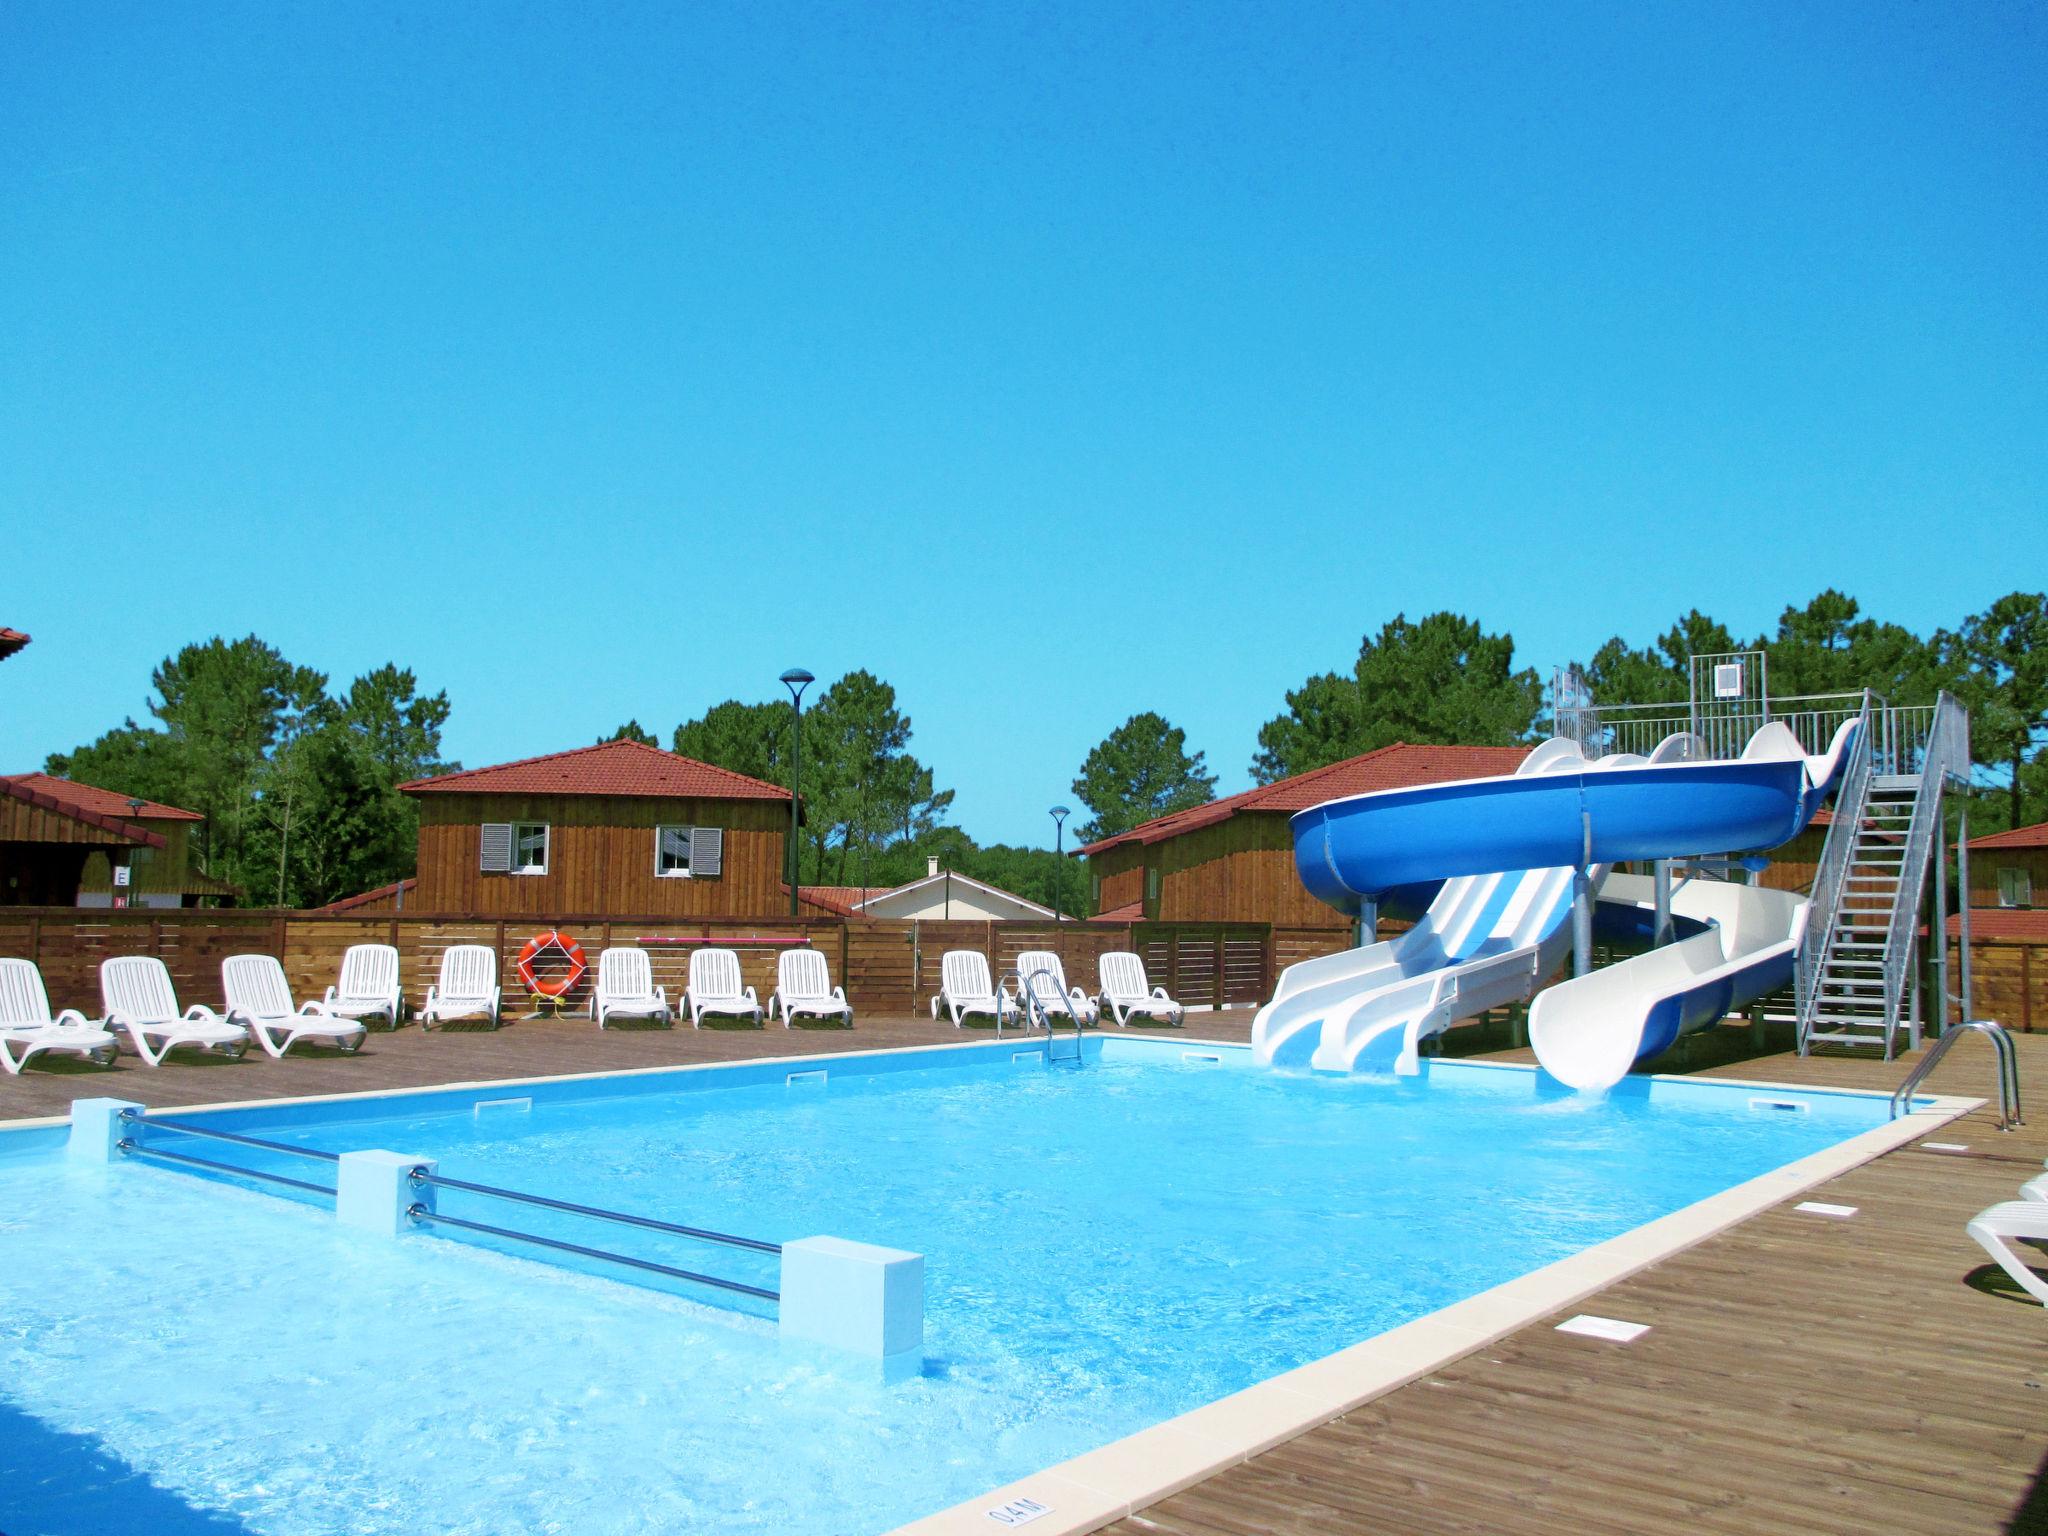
pixel 1728 680
pixel 121 873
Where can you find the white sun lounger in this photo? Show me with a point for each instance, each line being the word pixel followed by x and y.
pixel 1127 991
pixel 715 987
pixel 965 988
pixel 468 988
pixel 625 988
pixel 260 1000
pixel 803 984
pixel 137 994
pixel 1042 981
pixel 1998 1228
pixel 28 1028
pixel 368 988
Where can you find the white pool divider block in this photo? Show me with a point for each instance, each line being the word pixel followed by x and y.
pixel 853 1296
pixel 374 1190
pixel 96 1128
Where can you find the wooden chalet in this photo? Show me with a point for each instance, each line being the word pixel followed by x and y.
pixel 616 829
pixel 2010 869
pixel 61 844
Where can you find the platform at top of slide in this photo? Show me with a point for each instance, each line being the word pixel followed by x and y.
pixel 1564 809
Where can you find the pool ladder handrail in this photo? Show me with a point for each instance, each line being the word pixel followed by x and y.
pixel 2008 1069
pixel 1035 1009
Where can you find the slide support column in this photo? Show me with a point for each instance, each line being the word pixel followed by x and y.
pixel 1963 907
pixel 1367 929
pixel 1660 873
pixel 1582 900
pixel 1940 1020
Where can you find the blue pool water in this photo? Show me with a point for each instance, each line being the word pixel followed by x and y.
pixel 1106 1247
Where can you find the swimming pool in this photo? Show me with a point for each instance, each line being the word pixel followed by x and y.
pixel 1106 1247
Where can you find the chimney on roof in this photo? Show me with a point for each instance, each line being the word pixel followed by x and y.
pixel 931 867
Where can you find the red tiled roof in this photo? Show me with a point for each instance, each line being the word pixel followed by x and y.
pixel 11 640
pixel 839 898
pixel 101 802
pixel 17 788
pixel 2026 924
pixel 610 768
pixel 367 898
pixel 1400 766
pixel 2035 836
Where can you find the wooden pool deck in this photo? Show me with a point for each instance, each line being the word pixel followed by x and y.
pixel 1800 1374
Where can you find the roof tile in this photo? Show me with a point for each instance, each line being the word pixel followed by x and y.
pixel 100 802
pixel 1403 765
pixel 2035 836
pixel 609 768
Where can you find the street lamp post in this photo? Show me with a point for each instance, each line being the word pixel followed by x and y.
pixel 1059 814
pixel 796 680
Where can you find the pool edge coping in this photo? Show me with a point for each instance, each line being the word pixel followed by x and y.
pixel 1097 1488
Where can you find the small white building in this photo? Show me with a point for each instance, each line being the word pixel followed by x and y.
pixel 942 894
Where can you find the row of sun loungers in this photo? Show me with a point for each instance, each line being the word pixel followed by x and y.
pixel 1123 990
pixel 140 1001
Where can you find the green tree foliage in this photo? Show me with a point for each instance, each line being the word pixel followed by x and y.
pixel 1662 673
pixel 299 788
pixel 1998 663
pixel 1140 770
pixel 1829 647
pixel 632 730
pixel 1441 679
pixel 746 738
pixel 864 794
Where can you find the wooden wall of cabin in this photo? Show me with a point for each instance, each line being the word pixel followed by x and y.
pixel 1119 876
pixel 1985 863
pixel 1238 871
pixel 600 858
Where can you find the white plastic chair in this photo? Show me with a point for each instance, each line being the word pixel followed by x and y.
pixel 965 988
pixel 137 994
pixel 1041 979
pixel 1127 991
pixel 715 987
pixel 625 988
pixel 28 1028
pixel 368 988
pixel 260 1000
pixel 803 984
pixel 1997 1228
pixel 468 988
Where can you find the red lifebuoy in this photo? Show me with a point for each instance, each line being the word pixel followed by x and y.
pixel 556 983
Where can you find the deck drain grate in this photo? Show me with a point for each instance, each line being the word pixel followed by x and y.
pixel 1822 1208
pixel 1944 1146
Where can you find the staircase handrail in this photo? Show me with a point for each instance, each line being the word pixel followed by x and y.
pixel 1830 878
pixel 1946 755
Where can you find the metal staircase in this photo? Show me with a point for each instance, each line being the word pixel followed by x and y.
pixel 1857 982
pixel 1858 977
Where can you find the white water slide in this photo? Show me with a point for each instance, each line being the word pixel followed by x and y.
pixel 1588 1031
pixel 1486 941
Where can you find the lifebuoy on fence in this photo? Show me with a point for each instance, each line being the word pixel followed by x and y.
pixel 558 980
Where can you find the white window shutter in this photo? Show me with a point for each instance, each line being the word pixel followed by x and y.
pixel 494 853
pixel 707 851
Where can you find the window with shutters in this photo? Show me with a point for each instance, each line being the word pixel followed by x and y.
pixel 672 852
pixel 529 847
pixel 494 848
pixel 689 853
pixel 2015 887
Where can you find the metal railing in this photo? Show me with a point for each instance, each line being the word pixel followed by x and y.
pixel 133 1147
pixel 421 1213
pixel 1602 730
pixel 1943 753
pixel 2008 1069
pixel 1035 1011
pixel 1830 880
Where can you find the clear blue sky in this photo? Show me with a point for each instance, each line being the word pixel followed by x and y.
pixel 1054 362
